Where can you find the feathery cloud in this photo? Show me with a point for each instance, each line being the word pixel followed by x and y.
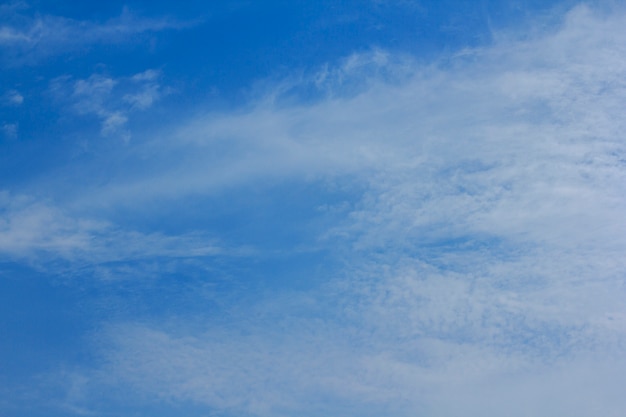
pixel 483 263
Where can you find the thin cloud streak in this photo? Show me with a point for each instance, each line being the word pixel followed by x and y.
pixel 29 39
pixel 44 235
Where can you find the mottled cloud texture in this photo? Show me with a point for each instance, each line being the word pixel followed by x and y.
pixel 481 261
pixel 473 251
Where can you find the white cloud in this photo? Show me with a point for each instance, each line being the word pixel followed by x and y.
pixel 145 98
pixel 28 39
pixel 40 233
pixel 495 118
pixel 484 263
pixel 114 122
pixel 10 130
pixel 13 98
pixel 10 35
pixel 111 100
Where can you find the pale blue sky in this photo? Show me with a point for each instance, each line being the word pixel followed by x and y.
pixel 294 208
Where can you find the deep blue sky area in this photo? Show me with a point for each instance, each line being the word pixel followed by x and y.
pixel 372 208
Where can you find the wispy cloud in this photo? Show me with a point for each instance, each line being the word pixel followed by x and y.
pixel 39 233
pixel 484 262
pixel 27 38
pixel 10 130
pixel 13 98
pixel 466 119
pixel 111 100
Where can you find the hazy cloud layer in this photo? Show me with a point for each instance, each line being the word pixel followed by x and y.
pixel 482 264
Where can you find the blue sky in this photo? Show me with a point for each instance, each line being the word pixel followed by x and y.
pixel 294 208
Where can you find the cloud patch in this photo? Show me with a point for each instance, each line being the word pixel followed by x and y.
pixel 28 39
pixel 111 100
pixel 41 234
